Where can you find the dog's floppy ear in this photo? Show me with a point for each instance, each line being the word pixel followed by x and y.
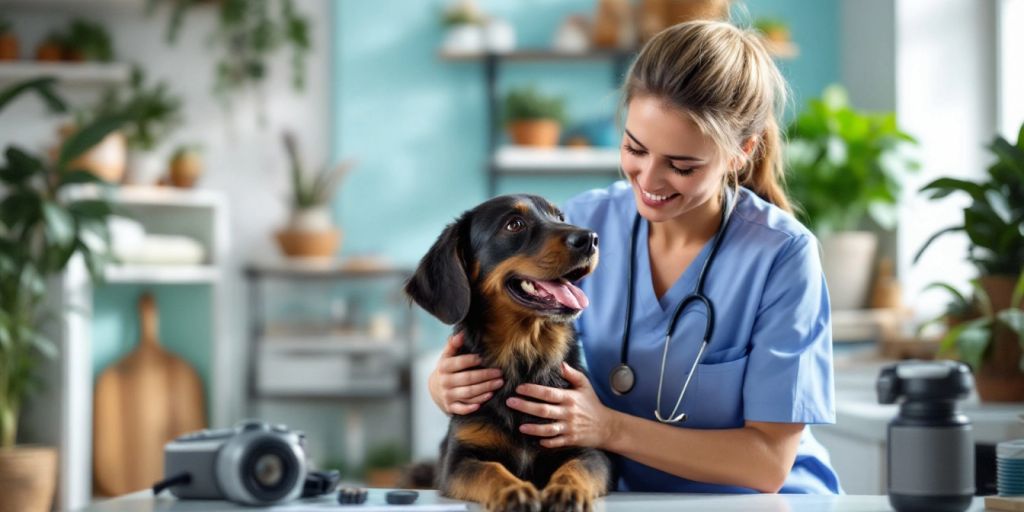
pixel 440 284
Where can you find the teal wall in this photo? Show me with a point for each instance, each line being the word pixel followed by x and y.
pixel 416 123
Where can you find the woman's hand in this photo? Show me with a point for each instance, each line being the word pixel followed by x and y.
pixel 579 417
pixel 455 388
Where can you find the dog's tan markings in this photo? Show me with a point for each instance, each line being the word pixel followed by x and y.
pixel 481 435
pixel 514 333
pixel 573 487
pixel 493 485
pixel 521 207
pixel 475 273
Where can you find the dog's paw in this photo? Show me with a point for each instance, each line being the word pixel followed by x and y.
pixel 566 498
pixel 521 497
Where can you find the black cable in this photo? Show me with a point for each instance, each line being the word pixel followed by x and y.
pixel 179 479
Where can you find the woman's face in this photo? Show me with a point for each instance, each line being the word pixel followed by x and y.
pixel 673 167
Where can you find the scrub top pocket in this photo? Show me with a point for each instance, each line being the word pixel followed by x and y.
pixel 719 400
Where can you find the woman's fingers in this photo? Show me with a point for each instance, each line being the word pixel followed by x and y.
pixel 545 430
pixel 543 393
pixel 454 364
pixel 548 411
pixel 454 342
pixel 479 399
pixel 461 393
pixel 462 409
pixel 470 377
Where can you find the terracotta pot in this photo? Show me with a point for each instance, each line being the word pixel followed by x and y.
pixel 9 47
pixel 49 52
pixel 186 169
pixel 534 132
pixel 999 379
pixel 690 10
pixel 383 478
pixel 107 160
pixel 307 244
pixel 28 478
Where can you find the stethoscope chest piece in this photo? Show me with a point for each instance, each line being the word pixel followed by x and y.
pixel 622 379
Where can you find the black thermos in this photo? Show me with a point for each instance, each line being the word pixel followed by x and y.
pixel 930 443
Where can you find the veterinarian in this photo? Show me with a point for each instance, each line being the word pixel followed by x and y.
pixel 701 154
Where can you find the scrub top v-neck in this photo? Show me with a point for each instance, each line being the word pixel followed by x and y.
pixel 770 358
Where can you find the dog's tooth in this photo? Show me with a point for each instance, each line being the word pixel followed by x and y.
pixel 528 288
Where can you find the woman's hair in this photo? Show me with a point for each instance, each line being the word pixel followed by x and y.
pixel 724 79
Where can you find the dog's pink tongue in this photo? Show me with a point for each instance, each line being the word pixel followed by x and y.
pixel 566 293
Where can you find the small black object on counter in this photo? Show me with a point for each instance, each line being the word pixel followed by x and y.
pixel 401 497
pixel 352 495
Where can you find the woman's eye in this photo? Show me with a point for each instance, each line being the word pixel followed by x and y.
pixel 684 172
pixel 633 151
pixel 515 225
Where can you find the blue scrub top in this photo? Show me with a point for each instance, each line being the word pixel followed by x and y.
pixel 769 359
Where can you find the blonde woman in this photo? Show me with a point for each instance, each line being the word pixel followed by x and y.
pixel 697 244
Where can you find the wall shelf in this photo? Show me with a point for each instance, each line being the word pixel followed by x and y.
pixel 162 274
pixel 569 160
pixel 67 73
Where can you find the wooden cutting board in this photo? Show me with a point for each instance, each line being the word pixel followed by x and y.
pixel 142 402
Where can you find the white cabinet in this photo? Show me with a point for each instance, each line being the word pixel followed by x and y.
pixel 61 415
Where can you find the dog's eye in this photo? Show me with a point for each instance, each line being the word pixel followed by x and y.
pixel 515 224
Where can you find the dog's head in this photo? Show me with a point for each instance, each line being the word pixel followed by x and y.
pixel 516 253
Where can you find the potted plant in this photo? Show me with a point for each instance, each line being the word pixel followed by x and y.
pixel 384 465
pixel 533 119
pixel 9 49
pixel 87 41
pixel 310 232
pixel 464 28
pixel 994 225
pixel 153 112
pixel 40 231
pixel 845 166
pixel 51 48
pixel 248 33
pixel 186 166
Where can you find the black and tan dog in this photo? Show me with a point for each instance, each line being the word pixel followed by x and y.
pixel 503 274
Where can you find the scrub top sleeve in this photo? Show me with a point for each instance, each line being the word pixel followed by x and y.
pixel 789 372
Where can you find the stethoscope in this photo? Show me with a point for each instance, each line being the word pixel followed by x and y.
pixel 623 377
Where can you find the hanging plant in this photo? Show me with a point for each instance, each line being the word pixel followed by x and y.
pixel 248 33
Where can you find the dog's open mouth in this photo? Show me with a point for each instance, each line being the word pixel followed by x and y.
pixel 558 296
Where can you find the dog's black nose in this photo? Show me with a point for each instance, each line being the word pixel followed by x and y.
pixel 582 240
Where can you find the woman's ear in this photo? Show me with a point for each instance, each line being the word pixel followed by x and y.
pixel 440 285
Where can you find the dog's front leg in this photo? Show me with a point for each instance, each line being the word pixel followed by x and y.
pixel 576 484
pixel 493 485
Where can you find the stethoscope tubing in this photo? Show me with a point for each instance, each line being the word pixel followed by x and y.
pixel 696 296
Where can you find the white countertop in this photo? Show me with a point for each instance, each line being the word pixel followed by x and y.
pixel 143 501
pixel 859 413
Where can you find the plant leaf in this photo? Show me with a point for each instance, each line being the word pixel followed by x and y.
pixel 1018 293
pixel 43 86
pixel 20 165
pixel 973 342
pixel 79 176
pixel 942 187
pixel 60 226
pixel 88 137
pixel 932 238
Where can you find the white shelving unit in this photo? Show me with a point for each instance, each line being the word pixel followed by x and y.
pixel 66 73
pixel 62 416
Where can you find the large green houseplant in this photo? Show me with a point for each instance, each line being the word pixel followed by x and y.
pixel 40 231
pixel 993 221
pixel 845 166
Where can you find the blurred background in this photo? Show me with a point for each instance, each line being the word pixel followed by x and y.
pixel 209 207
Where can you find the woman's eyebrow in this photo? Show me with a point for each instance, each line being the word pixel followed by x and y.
pixel 670 157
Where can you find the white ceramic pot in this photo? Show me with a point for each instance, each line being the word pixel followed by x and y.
pixel 311 220
pixel 464 39
pixel 499 36
pixel 145 167
pixel 847 258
